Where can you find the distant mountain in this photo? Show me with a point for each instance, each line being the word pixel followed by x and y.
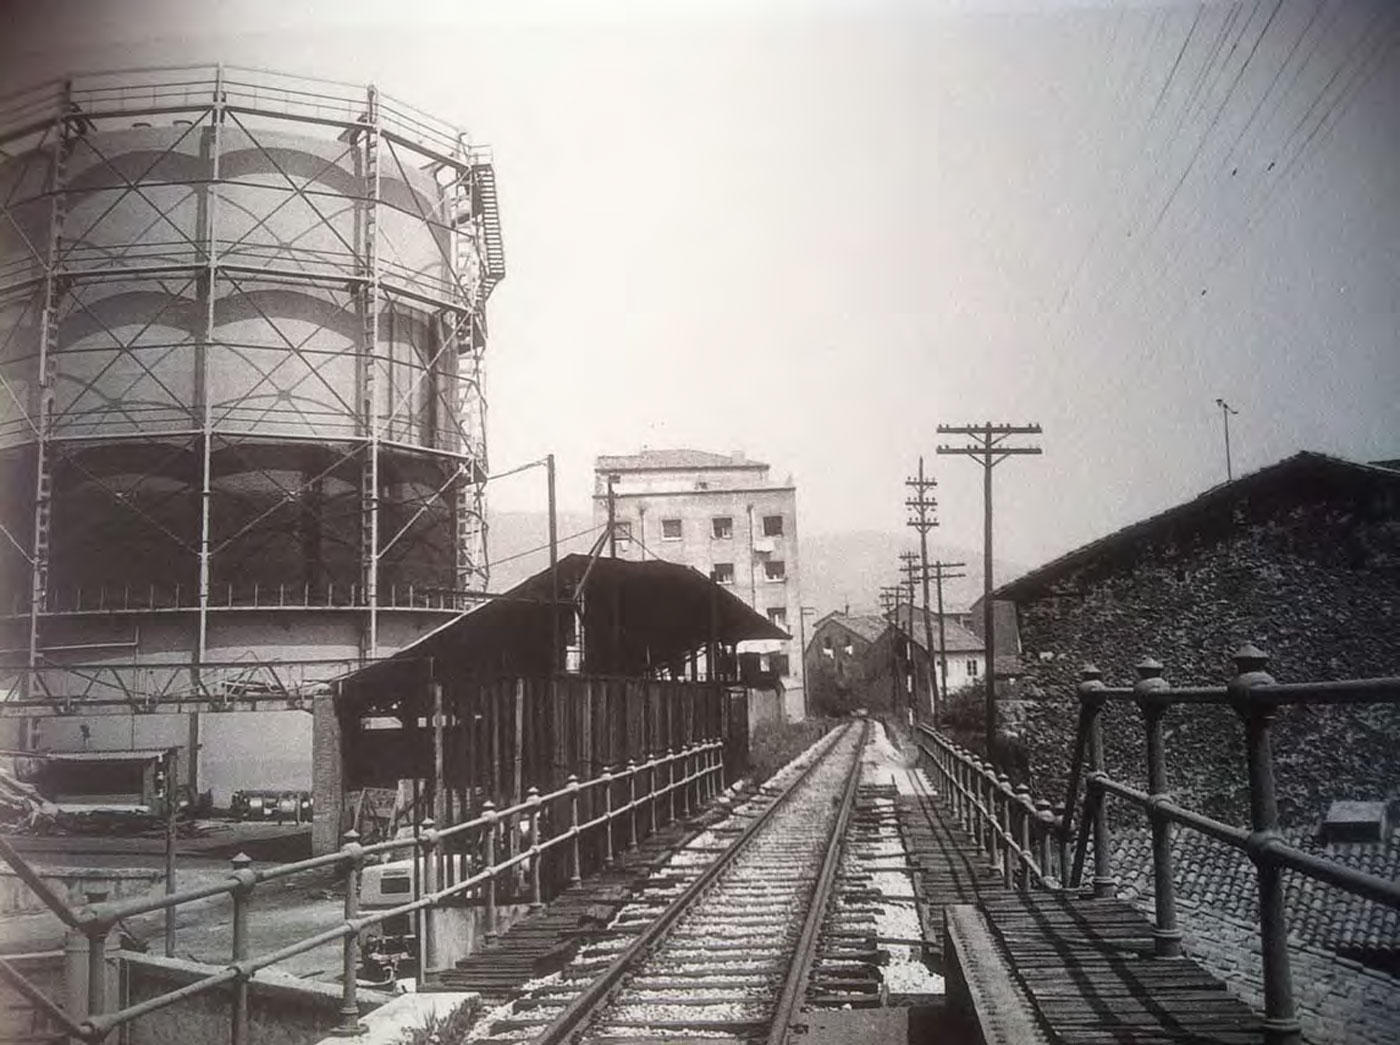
pixel 841 568
pixel 837 568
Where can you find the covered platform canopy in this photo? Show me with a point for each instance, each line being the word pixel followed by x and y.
pixel 638 619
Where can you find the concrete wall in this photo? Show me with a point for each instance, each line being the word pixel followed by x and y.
pixel 73 884
pixel 461 931
pixel 1339 1001
pixel 1313 583
pixel 282 1009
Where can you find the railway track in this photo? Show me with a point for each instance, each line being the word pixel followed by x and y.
pixel 720 946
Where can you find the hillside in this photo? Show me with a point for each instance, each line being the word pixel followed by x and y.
pixel 837 568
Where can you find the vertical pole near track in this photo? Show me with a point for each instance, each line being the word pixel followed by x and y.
pixel 574 870
pixel 989 450
pixel 1280 1018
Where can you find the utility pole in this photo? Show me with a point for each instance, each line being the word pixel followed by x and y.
pixel 554 650
pixel 988 449
pixel 889 600
pixel 612 518
pixel 942 571
pixel 921 508
pixel 1225 411
pixel 909 563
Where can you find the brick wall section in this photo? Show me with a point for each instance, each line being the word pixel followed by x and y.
pixel 1310 575
pixel 1338 1001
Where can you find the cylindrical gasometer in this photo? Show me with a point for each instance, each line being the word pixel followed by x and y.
pixel 241 332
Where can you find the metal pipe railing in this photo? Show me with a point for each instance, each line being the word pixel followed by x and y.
pixel 1029 843
pixel 695 769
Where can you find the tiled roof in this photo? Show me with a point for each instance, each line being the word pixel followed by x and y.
pixel 667 460
pixel 1218 877
pixel 870 628
pixel 1280 474
pixel 956 638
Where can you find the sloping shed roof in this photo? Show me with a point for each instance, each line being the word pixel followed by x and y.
pixel 1223 879
pixel 667 460
pixel 1290 473
pixel 637 615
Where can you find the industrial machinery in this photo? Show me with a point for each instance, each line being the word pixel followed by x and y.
pixel 242 443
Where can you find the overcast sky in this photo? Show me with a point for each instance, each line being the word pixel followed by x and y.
pixel 818 231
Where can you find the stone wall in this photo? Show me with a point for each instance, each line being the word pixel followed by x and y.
pixel 1338 1001
pixel 282 1009
pixel 1312 577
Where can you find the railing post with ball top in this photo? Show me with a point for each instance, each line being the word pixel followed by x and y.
pixel 428 839
pixel 1280 1018
pixel 1091 697
pixel 1007 813
pixel 488 813
pixel 1025 815
pixel 631 804
pixel 1152 693
pixel 575 872
pixel 349 956
pixel 536 853
pixel 242 894
pixel 1045 829
pixel 607 816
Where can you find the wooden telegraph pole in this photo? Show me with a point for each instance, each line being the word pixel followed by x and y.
pixel 988 448
pixel 889 608
pixel 921 507
pixel 942 571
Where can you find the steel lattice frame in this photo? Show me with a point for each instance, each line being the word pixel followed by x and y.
pixel 121 444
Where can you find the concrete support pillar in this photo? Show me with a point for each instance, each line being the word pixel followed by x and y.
pixel 327 776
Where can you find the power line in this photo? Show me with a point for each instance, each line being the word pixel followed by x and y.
pixel 545 547
pixel 989 449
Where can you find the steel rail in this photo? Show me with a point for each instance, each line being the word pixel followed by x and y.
pixel 600 991
pixel 795 986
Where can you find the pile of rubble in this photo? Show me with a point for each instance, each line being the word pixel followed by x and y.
pixel 22 808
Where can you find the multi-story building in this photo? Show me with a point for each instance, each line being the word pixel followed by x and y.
pixel 723 515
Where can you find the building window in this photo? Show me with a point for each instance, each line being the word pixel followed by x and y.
pixel 972 669
pixel 778 662
pixel 722 573
pixel 778 615
pixel 722 527
pixel 827 651
pixel 623 529
pixel 772 526
pixel 775 570
pixel 670 529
